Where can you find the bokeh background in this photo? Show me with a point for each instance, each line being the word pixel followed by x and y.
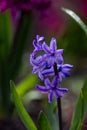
pixel 16 36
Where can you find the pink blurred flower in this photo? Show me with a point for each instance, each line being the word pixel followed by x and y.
pixel 53 22
pixel 24 4
pixel 83 8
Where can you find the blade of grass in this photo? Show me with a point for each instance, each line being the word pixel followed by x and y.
pixel 76 18
pixel 43 123
pixel 80 110
pixel 26 119
pixel 29 82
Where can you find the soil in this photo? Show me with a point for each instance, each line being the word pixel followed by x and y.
pixel 11 124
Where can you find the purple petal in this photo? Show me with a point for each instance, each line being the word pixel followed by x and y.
pixel 37 37
pixel 50 97
pixel 46 48
pixel 67 66
pixel 55 81
pixel 40 39
pixel 60 75
pixel 53 44
pixel 47 83
pixel 48 72
pixel 37 61
pixel 34 43
pixel 59 94
pixel 51 60
pixel 42 89
pixel 35 69
pixel 60 51
pixel 37 42
pixel 65 73
pixel 59 59
pixel 62 90
pixel 40 76
pixel 31 59
pixel 56 94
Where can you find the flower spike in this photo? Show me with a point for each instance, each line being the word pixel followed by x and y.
pixel 44 66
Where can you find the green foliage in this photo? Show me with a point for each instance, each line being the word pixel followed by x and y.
pixel 74 40
pixel 5 34
pixel 43 123
pixel 26 119
pixel 51 114
pixel 80 110
pixel 19 43
pixel 5 43
pixel 12 48
pixel 25 85
pixel 76 18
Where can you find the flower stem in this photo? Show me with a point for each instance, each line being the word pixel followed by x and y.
pixel 58 102
pixel 59 113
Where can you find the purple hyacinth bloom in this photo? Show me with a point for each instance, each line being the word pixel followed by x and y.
pixel 53 89
pixel 53 55
pixel 39 65
pixel 37 43
pixel 63 71
pixel 43 65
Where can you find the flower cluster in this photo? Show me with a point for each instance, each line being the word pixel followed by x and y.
pixel 50 63
pixel 24 4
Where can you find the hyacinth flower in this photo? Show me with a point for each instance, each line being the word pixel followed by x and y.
pixel 63 71
pixel 39 65
pixel 53 89
pixel 43 65
pixel 37 43
pixel 50 63
pixel 52 53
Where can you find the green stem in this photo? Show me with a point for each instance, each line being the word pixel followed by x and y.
pixel 58 102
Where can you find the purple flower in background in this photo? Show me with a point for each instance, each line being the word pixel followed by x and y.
pixel 53 89
pixel 53 55
pixel 40 4
pixel 14 4
pixel 24 4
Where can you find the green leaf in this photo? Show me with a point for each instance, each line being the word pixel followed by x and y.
pixel 20 43
pixel 26 119
pixel 29 82
pixel 51 108
pixel 43 123
pixel 81 109
pixel 76 18
pixel 5 34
